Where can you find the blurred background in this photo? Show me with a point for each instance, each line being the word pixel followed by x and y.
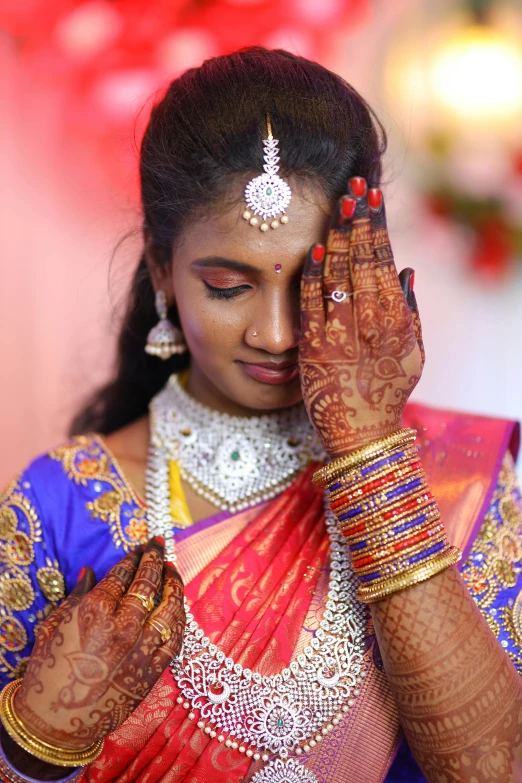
pixel 77 83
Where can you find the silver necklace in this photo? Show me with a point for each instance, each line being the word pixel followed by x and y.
pixel 232 461
pixel 289 712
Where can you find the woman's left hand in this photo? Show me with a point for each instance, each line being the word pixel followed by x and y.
pixel 360 356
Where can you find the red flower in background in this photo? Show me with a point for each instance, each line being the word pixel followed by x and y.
pixel 493 248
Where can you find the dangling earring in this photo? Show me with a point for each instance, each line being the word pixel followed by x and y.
pixel 164 340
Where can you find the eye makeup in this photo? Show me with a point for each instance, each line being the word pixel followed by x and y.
pixel 224 293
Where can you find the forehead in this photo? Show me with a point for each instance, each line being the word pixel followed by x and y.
pixel 223 231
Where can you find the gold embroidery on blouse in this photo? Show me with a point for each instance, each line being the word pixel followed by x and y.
pixel 50 581
pixel 495 562
pixel 87 461
pixel 20 530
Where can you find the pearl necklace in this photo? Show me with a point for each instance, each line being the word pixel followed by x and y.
pixel 289 712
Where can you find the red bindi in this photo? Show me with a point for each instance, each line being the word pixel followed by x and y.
pixel 278 268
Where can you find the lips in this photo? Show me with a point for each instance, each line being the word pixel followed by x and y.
pixel 271 372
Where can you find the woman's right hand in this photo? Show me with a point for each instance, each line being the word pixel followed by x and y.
pixel 98 655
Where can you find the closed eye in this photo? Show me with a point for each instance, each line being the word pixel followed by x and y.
pixel 225 293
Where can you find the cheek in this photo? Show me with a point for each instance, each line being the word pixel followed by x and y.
pixel 210 324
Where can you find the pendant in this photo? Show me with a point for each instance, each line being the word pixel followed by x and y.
pixel 288 771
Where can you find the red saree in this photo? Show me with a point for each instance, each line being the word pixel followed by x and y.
pixel 256 583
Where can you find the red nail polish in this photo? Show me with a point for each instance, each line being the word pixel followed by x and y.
pixel 160 540
pixel 348 207
pixel 318 253
pixel 358 186
pixel 375 198
pixel 81 574
pixel 412 280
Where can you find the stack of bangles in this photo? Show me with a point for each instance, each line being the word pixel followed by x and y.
pixel 41 750
pixel 390 519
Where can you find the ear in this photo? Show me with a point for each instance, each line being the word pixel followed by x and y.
pixel 160 272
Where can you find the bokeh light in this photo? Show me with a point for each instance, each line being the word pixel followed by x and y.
pixel 477 75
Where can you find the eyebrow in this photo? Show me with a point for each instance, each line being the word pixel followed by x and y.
pixel 226 263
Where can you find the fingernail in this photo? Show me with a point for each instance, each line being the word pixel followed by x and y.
pixel 81 574
pixel 160 540
pixel 375 198
pixel 358 186
pixel 348 207
pixel 318 253
pixel 412 280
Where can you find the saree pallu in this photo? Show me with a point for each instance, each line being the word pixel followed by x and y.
pixel 257 582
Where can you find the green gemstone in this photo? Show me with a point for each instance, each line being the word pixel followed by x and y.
pixel 269 191
pixel 280 723
pixel 235 455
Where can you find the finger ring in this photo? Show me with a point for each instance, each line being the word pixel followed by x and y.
pixel 163 630
pixel 339 296
pixel 146 600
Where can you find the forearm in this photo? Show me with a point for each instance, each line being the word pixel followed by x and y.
pixel 459 696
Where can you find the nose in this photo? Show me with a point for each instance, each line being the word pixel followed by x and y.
pixel 275 323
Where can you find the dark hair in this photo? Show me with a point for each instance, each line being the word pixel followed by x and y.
pixel 206 130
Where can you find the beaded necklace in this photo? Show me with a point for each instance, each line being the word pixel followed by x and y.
pixel 290 712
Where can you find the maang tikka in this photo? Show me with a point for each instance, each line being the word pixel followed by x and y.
pixel 267 195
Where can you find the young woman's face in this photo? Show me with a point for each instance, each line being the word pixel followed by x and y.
pixel 237 293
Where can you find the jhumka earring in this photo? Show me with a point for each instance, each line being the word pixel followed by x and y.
pixel 267 195
pixel 164 340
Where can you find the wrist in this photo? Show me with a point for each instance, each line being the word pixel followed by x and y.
pixel 360 441
pixel 45 750
pixel 37 721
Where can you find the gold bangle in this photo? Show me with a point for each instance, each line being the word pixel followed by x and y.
pixel 376 526
pixel 376 450
pixel 374 516
pixel 375 523
pixel 415 474
pixel 383 536
pixel 371 594
pixel 420 495
pixel 328 473
pixel 395 558
pixel 51 754
pixel 354 490
pixel 350 480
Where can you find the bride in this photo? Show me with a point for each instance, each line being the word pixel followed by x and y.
pixel 254 560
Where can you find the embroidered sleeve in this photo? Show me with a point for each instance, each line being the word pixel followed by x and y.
pixel 493 570
pixel 31 583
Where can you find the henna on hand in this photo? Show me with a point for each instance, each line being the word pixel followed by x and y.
pixel 97 657
pixel 360 358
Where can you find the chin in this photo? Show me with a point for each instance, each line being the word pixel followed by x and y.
pixel 266 397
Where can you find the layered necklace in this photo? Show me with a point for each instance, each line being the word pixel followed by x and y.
pixel 235 462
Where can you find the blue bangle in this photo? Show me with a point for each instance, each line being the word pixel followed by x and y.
pixel 13 775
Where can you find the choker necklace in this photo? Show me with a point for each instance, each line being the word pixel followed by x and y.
pixel 283 715
pixel 232 461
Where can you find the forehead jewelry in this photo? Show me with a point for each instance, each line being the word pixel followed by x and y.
pixel 267 195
